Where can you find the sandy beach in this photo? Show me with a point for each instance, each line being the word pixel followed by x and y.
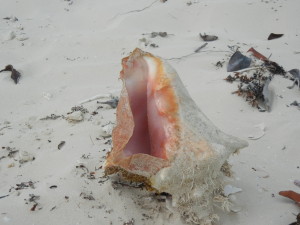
pixel 55 124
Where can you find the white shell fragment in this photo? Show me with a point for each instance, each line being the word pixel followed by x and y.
pixel 259 131
pixel 75 117
pixel 228 190
pixel 25 157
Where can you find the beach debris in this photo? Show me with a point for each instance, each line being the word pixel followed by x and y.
pixel 260 132
pixel 261 172
pixel 11 152
pixel 75 117
pixel 190 54
pixel 99 96
pixel 4 196
pixel 145 41
pixel 254 81
pixel 291 195
pixel 79 108
pixel 295 103
pixel 298 220
pixel 229 189
pixel 25 156
pixel 61 144
pixel 257 55
pixel 297 183
pixel 274 36
pixel 206 37
pixel 219 64
pixel 11 18
pixel 11 165
pixel 273 67
pixel 154 45
pixel 267 96
pixel 53 187
pixel 295 77
pixel 51 117
pixel 160 34
pixel 198 49
pixel 131 222
pixel 87 196
pixel 238 61
pixel 23 185
pixel 113 103
pixel 149 148
pixel 33 199
pixel 15 75
pixel 251 88
pixel 106 130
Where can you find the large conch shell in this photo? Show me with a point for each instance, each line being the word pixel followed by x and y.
pixel 163 139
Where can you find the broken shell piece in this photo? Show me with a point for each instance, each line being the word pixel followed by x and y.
pixel 228 190
pixel 163 139
pixel 75 117
pixel 107 130
pixel 25 157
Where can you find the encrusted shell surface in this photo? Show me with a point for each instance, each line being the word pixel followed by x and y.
pixel 193 150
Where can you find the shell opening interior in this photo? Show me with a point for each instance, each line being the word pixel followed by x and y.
pixel 149 135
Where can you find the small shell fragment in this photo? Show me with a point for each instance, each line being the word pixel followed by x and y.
pixel 75 117
pixel 228 190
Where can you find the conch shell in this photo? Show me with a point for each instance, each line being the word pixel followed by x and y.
pixel 163 139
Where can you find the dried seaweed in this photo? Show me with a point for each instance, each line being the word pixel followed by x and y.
pixel 87 196
pixel 51 117
pixel 274 36
pixel 15 75
pixel 161 34
pixel 251 87
pixel 23 185
pixel 78 108
pixel 274 68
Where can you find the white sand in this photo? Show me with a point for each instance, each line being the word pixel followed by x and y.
pixel 72 52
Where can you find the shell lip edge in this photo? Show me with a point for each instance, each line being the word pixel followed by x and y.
pixel 129 176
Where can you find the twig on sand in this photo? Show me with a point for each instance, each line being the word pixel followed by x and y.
pixel 95 98
pixel 135 10
pixel 4 128
pixel 195 52
pixel 4 196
